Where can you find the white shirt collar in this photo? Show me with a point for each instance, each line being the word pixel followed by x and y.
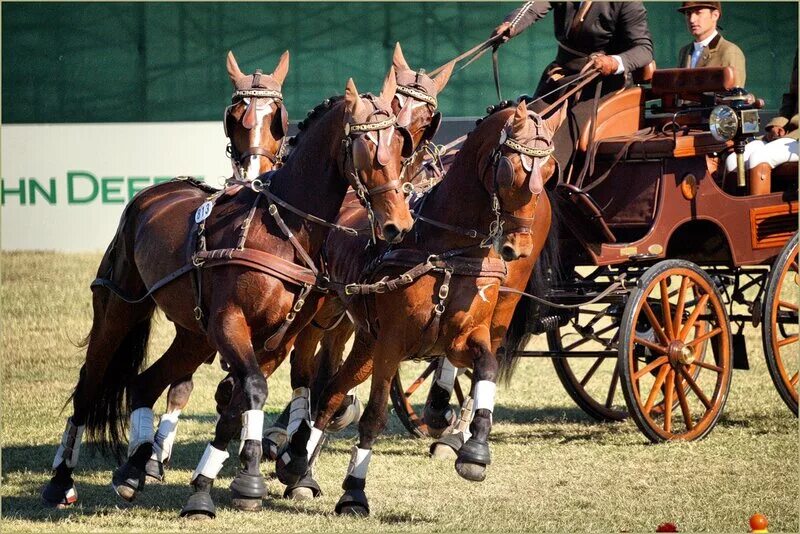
pixel 704 43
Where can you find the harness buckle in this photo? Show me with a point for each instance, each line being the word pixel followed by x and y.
pixel 273 209
pixel 290 317
pixel 197 261
pixel 351 289
pixel 439 309
pixel 408 188
pixel 444 290
pixel 198 313
pixel 298 305
pixel 256 184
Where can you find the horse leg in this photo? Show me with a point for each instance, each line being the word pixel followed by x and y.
pixel 186 353
pixel 354 500
pixel 115 349
pixel 177 399
pixel 231 336
pixel 328 359
pixel 438 414
pixel 474 455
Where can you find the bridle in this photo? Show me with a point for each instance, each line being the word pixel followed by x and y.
pixel 257 91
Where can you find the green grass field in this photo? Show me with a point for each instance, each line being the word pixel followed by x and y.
pixel 554 469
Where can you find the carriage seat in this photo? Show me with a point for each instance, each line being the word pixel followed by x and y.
pixel 686 143
pixel 689 84
pixel 622 112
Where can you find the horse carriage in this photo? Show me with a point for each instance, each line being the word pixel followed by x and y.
pixel 663 259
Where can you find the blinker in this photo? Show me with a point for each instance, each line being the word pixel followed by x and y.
pixel 504 172
pixel 361 154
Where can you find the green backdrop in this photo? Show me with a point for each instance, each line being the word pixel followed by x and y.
pixel 107 62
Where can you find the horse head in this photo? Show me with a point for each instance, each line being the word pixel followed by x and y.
pixel 374 150
pixel 516 170
pixel 256 121
pixel 415 101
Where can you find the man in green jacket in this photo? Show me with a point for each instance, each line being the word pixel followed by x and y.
pixel 709 48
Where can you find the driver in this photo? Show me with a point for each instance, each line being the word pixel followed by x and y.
pixel 613 36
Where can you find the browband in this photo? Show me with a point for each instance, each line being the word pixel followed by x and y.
pixel 369 126
pixel 419 95
pixel 266 93
pixel 528 151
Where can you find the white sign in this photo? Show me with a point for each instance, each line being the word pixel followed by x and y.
pixel 64 186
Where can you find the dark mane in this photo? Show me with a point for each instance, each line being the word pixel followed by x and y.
pixel 491 110
pixel 318 111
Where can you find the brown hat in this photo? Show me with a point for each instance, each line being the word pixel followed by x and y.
pixel 686 6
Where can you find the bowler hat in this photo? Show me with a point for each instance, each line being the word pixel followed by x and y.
pixel 686 6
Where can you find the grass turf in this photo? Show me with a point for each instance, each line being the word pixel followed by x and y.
pixel 554 469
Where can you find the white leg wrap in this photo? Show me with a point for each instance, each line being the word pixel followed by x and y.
pixel 141 429
pixel 299 409
pixel 211 463
pixel 484 395
pixel 252 427
pixel 446 375
pixel 70 445
pixel 313 441
pixel 359 462
pixel 165 436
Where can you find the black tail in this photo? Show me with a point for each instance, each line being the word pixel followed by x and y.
pixel 544 272
pixel 107 415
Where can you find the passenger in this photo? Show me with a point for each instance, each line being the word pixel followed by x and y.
pixel 779 145
pixel 612 35
pixel 709 48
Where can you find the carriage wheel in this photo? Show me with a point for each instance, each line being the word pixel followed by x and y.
pixel 780 329
pixel 593 383
pixel 402 400
pixel 670 299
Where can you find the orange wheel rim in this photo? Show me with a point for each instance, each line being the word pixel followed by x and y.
pixel 786 343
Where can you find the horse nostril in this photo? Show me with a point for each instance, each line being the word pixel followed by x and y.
pixel 391 232
pixel 508 253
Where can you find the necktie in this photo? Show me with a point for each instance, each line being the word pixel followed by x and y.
pixel 696 56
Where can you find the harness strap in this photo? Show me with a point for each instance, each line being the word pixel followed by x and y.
pixel 275 339
pixel 431 333
pixel 620 283
pixel 273 210
pixel 114 288
pixel 259 260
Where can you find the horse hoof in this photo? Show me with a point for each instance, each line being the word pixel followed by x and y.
pixel 247 486
pixel 58 496
pixel 246 504
pixel 470 471
pixel 199 506
pixel 154 470
pixel 353 502
pixel 128 481
pixel 440 451
pixel 301 494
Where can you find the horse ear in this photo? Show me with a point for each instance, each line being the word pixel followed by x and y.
pixel 389 87
pixel 352 99
pixel 283 67
pixel 520 120
pixel 554 121
pixel 233 68
pixel 398 61
pixel 444 76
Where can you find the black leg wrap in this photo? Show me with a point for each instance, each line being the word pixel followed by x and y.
pixel 292 463
pixel 199 506
pixel 453 440
pixel 473 457
pixel 154 470
pixel 438 414
pixel 59 493
pixel 349 413
pixel 354 501
pixel 305 483
pixel 128 480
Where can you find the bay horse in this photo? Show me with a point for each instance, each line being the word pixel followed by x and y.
pixel 436 293
pixel 259 277
pixel 415 90
pixel 420 91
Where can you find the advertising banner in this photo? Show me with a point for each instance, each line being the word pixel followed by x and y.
pixel 64 186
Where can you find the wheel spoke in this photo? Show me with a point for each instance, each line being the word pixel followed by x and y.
pixel 661 360
pixel 709 366
pixel 687 414
pixel 676 321
pixel 669 398
pixel 701 304
pixel 422 378
pixel 787 341
pixel 591 371
pixel 695 388
pixel 666 312
pixel 613 388
pixel 651 399
pixel 654 323
pixel 784 304
pixel 696 341
pixel 658 349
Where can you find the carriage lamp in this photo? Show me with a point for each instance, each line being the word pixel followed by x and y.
pixel 735 119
